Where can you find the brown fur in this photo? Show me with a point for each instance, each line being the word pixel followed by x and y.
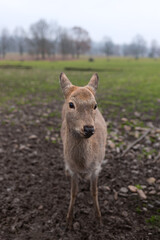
pixel 82 156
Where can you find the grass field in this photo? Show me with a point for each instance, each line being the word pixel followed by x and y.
pixel 34 192
pixel 133 85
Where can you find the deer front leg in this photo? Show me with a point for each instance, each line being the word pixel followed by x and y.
pixel 74 190
pixel 94 193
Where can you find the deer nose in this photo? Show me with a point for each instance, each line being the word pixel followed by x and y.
pixel 88 130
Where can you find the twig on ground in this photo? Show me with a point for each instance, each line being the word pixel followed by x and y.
pixel 135 142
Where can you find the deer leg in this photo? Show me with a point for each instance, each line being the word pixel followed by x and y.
pixel 94 193
pixel 74 190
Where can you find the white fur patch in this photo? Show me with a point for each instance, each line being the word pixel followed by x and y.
pixel 68 170
pixel 97 170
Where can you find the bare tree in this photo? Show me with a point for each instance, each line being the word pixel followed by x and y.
pixel 81 40
pixel 19 37
pixel 125 50
pixel 108 47
pixel 138 47
pixel 65 43
pixel 154 49
pixel 41 38
pixel 4 42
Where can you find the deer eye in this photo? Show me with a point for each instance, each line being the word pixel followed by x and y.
pixel 71 105
pixel 95 106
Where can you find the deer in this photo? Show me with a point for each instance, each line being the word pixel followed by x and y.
pixel 83 134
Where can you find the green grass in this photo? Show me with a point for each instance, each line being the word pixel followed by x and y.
pixel 154 220
pixel 147 153
pixel 138 186
pixel 138 210
pixel 135 123
pixel 124 83
pixel 49 128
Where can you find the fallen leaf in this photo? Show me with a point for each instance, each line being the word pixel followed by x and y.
pixel 23 147
pixel 127 128
pixel 108 188
pixel 137 114
pixel 150 124
pixel 123 190
pixel 141 129
pixel 53 139
pixel 141 194
pixel 40 207
pixel 136 134
pixel 32 137
pixel 124 119
pixel 157 130
pixel 115 195
pixel 132 188
pixel 117 149
pixel 151 180
pixel 111 144
pixel 153 192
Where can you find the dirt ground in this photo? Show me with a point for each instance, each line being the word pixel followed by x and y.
pixel 34 192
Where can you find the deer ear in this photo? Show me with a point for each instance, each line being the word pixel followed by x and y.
pixel 65 84
pixel 93 83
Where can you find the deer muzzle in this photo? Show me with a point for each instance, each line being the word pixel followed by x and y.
pixel 88 131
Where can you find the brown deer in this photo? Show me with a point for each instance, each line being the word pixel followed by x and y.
pixel 84 135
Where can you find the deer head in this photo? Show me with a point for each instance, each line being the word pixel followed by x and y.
pixel 80 106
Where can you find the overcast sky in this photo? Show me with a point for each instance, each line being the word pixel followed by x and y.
pixel 119 19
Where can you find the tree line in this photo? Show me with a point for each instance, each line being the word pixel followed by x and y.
pixel 46 40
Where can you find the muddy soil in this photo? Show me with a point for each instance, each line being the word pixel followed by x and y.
pixel 35 193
